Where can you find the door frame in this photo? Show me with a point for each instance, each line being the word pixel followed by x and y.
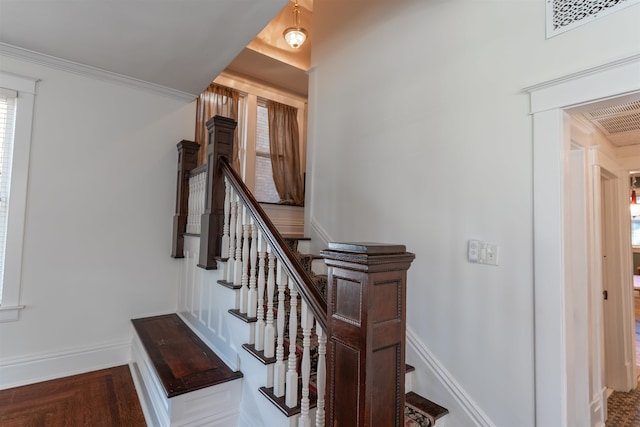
pixel 549 101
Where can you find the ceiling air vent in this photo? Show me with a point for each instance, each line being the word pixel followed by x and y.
pixel 619 123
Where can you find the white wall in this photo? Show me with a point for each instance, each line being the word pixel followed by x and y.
pixel 98 223
pixel 419 134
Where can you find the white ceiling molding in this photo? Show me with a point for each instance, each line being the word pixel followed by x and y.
pixel 565 15
pixel 92 72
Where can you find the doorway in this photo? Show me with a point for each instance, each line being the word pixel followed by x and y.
pixel 556 383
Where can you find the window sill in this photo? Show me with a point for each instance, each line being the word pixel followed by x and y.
pixel 10 314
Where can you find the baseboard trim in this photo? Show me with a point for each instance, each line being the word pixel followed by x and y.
pixel 47 366
pixel 448 381
pixel 319 231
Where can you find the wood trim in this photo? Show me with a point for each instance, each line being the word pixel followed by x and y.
pixel 366 333
pixel 221 135
pixel 187 161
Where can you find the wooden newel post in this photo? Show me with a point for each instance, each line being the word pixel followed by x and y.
pixel 187 160
pixel 366 333
pixel 221 131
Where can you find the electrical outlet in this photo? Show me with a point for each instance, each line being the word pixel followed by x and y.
pixel 482 253
pixel 473 251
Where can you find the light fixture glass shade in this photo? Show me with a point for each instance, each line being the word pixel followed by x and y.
pixel 295 37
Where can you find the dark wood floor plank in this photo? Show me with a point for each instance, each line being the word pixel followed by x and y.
pixel 105 398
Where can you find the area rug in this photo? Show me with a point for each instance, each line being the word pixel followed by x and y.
pixel 624 409
pixel 413 417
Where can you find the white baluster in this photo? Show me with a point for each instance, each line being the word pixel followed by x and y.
pixel 232 242
pixel 244 291
pixel 225 227
pixel 269 330
pixel 280 367
pixel 202 178
pixel 237 271
pixel 252 299
pixel 190 208
pixel 195 194
pixel 196 204
pixel 262 249
pixel 291 398
pixel 307 326
pixel 321 375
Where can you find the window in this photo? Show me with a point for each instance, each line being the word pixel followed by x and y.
pixel 635 232
pixel 16 113
pixel 253 132
pixel 7 122
pixel 265 189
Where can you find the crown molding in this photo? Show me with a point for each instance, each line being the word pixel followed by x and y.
pixel 91 72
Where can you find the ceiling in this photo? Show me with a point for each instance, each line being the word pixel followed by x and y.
pixel 178 44
pixel 184 44
pixel 268 58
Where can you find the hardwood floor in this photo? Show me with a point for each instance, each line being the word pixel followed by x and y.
pixel 105 398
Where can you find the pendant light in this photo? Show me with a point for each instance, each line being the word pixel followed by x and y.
pixel 295 36
pixel 634 206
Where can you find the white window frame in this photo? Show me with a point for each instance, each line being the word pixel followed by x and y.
pixel 250 92
pixel 26 88
pixel 262 103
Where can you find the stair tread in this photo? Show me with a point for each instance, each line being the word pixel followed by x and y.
pixel 242 316
pixel 182 361
pixel 279 402
pixel 418 405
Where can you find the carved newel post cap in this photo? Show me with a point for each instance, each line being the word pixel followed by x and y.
pixel 367 254
pixel 370 248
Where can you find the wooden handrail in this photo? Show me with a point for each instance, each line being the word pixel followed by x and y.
pixel 296 272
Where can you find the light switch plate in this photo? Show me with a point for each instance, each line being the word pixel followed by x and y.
pixel 482 253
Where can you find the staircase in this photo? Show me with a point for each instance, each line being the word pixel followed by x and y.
pixel 318 341
pixel 164 342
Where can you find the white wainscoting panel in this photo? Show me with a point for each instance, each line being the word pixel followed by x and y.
pixel 203 304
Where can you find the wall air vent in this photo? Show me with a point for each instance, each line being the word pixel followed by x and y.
pixel 564 15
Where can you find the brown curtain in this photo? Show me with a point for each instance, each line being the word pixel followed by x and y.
pixel 216 100
pixel 285 152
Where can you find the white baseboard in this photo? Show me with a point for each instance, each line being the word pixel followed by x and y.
pixel 47 366
pixel 466 403
pixel 319 236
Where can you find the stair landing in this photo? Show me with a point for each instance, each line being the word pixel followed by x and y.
pixel 182 361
